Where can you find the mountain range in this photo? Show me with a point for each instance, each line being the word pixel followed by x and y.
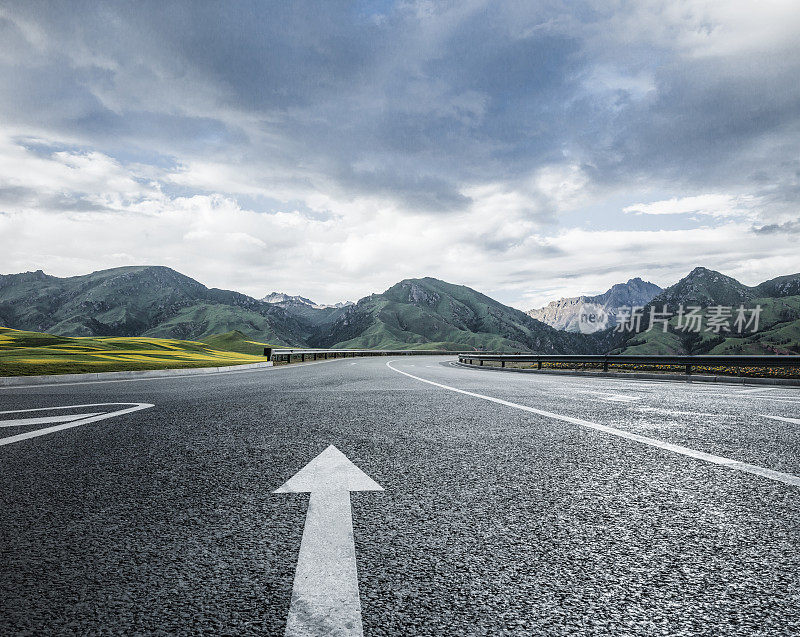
pixel 157 301
pixel 563 314
pixel 428 313
pixel 778 301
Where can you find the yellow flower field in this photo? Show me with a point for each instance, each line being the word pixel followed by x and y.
pixel 26 353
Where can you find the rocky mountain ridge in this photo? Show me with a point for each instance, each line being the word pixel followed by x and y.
pixel 564 313
pixel 279 298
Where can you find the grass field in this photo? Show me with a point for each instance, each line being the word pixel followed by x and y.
pixel 236 341
pixel 32 353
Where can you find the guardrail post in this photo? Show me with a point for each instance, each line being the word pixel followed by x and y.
pixel 605 363
pixel 502 363
pixel 480 362
pixel 539 361
pixel 302 358
pixel 688 369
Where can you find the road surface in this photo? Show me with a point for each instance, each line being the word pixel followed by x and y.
pixel 551 512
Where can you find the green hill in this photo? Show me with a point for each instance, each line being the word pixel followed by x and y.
pixel 151 301
pixel 432 314
pixel 779 321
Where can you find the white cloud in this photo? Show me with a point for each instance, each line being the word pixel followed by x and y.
pixel 715 205
pixel 592 261
pixel 499 245
pixel 705 28
pixel 94 176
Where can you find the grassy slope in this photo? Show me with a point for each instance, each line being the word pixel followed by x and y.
pixel 236 341
pixel 204 320
pixel 28 353
pixel 397 326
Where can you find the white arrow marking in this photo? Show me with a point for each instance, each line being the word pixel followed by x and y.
pixel 82 419
pixel 325 597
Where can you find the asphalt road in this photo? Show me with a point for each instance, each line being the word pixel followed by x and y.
pixel 493 520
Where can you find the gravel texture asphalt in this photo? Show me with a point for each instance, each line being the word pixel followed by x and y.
pixel 494 521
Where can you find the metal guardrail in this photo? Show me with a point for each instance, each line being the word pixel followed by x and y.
pixel 688 362
pixel 286 354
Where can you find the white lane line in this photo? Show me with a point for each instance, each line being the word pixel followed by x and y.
pixel 775 399
pixel 615 398
pixel 794 421
pixel 75 423
pixel 757 390
pixel 44 420
pixel 672 412
pixel 778 476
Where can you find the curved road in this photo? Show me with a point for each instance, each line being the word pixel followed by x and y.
pixel 513 504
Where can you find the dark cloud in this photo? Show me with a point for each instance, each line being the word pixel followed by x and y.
pixel 788 227
pixel 59 202
pixel 396 100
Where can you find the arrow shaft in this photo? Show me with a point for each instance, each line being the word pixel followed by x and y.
pixel 325 597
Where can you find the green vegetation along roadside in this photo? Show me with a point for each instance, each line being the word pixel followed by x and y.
pixel 715 370
pixel 24 353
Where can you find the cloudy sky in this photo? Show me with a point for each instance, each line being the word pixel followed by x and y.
pixel 530 150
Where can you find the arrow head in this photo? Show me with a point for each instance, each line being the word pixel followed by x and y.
pixel 329 471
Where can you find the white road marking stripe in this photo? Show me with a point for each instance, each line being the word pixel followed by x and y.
pixel 44 420
pixel 778 476
pixel 615 398
pixel 75 423
pixel 794 421
pixel 672 412
pixel 787 399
